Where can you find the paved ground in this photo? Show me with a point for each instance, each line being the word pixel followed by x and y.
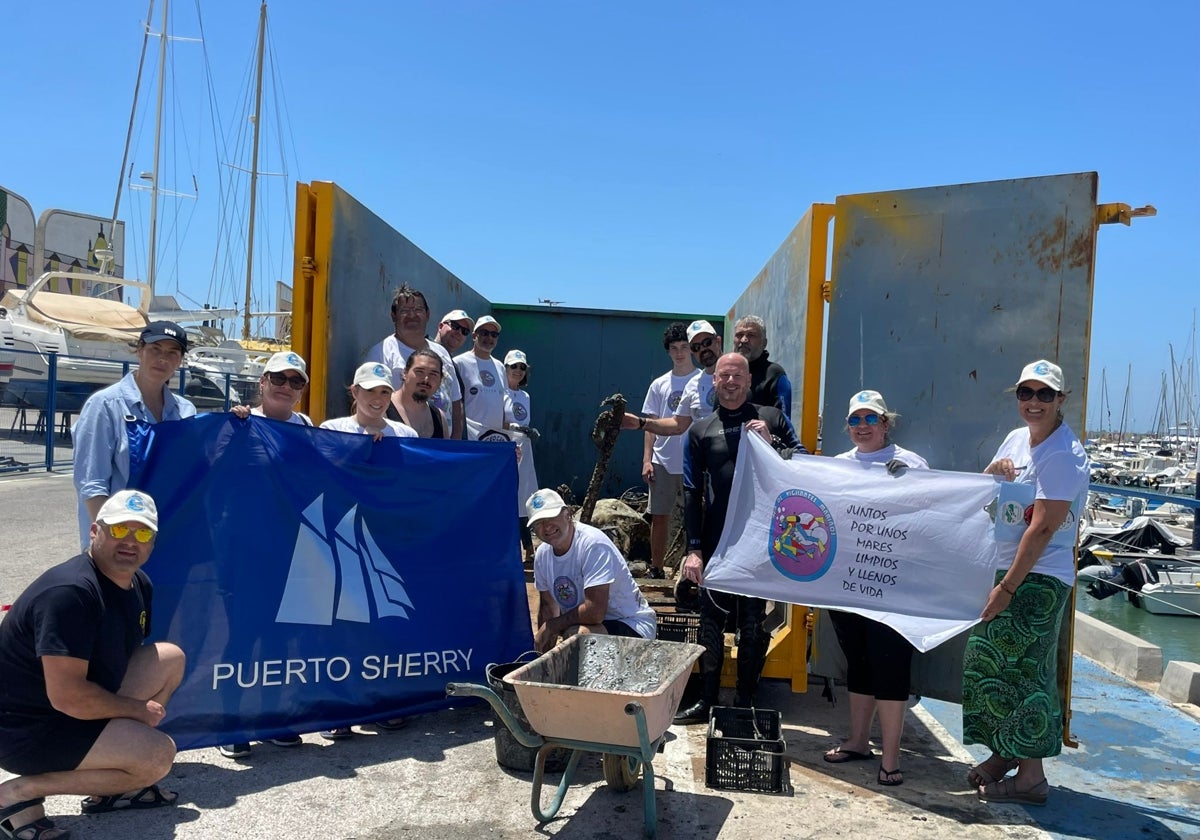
pixel 1133 777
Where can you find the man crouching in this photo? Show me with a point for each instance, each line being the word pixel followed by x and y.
pixel 82 694
pixel 583 581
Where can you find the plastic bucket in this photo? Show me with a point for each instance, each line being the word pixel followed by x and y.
pixel 510 752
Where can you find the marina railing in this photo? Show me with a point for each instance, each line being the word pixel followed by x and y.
pixel 40 403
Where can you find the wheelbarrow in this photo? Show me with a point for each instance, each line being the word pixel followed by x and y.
pixel 608 694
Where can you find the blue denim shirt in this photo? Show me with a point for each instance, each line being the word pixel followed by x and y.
pixel 102 443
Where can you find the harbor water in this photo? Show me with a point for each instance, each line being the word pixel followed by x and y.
pixel 1177 635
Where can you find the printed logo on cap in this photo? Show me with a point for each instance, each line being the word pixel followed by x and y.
pixel 695 326
pixel 380 371
pixel 539 502
pixel 169 331
pixel 1041 368
pixel 864 396
pixel 293 359
pixel 135 503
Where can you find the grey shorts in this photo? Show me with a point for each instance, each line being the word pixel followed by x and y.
pixel 666 490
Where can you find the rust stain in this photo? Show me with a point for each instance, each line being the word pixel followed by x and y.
pixel 1081 249
pixel 1047 247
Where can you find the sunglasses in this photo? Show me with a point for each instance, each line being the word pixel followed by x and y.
pixel 278 379
pixel 459 328
pixel 519 366
pixel 120 532
pixel 854 420
pixel 702 345
pixel 488 333
pixel 1046 395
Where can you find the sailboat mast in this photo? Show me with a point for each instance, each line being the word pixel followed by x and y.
pixel 262 32
pixel 162 73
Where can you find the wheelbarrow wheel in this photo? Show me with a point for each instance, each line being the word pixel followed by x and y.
pixel 621 771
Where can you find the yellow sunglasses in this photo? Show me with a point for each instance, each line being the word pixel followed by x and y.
pixel 120 532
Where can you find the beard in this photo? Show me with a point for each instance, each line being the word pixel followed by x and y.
pixel 421 397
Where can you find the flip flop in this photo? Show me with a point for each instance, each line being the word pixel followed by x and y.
pixel 139 800
pixel 884 777
pixel 841 755
pixel 978 776
pixel 1005 790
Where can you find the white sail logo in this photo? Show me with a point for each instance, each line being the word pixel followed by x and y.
pixel 339 575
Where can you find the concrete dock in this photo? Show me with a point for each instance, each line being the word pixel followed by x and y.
pixel 1134 774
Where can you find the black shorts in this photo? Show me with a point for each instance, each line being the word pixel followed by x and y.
pixel 32 746
pixel 616 627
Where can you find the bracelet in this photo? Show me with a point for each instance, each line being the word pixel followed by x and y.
pixel 1006 589
pixel 641 423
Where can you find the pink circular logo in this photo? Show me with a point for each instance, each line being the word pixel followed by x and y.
pixel 803 537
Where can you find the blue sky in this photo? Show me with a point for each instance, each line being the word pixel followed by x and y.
pixel 654 155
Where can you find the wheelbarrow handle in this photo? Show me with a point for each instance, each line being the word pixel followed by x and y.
pixel 524 738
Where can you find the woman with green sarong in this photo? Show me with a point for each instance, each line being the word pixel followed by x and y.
pixel 1010 669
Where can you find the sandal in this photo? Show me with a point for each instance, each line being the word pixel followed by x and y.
pixel 36 830
pixel 840 755
pixel 979 775
pixel 1005 790
pixel 17 807
pixel 885 776
pixel 147 797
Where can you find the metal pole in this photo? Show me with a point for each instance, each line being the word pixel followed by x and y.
pixel 162 72
pixel 262 33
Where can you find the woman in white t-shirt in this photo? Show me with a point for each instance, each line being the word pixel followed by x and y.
pixel 282 384
pixel 516 422
pixel 371 394
pixel 878 659
pixel 1010 668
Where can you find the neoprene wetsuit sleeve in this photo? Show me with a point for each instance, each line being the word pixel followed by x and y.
pixel 693 489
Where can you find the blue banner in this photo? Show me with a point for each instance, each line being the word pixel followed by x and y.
pixel 319 579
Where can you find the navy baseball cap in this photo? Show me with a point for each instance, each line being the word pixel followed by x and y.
pixel 165 331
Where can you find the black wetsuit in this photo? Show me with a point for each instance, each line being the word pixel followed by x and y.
pixel 769 385
pixel 708 465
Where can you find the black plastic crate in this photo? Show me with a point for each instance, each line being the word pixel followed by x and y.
pixel 745 751
pixel 678 627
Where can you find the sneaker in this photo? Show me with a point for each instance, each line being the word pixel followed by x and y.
pixel 339 734
pixel 234 750
pixel 287 741
pixel 656 574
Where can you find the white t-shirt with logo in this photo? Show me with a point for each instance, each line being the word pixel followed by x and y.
pixel 699 398
pixel 1057 467
pixel 394 353
pixel 516 410
pixel 593 560
pixel 483 385
pixel 350 424
pixel 297 418
pixel 662 399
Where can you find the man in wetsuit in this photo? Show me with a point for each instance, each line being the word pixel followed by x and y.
pixel 708 465
pixel 769 383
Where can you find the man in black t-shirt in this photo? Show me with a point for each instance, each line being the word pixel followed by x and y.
pixel 82 693
pixel 708 466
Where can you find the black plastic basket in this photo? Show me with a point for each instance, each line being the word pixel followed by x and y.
pixel 745 751
pixel 678 627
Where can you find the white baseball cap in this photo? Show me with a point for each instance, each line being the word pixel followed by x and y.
pixel 286 360
pixel 129 506
pixel 371 375
pixel 544 504
pixel 485 320
pixel 516 357
pixel 1045 372
pixel 871 400
pixel 456 315
pixel 697 327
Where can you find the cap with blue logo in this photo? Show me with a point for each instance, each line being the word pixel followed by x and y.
pixel 516 357
pixel 544 504
pixel 286 360
pixel 129 506
pixel 870 400
pixel 371 375
pixel 1045 372
pixel 698 328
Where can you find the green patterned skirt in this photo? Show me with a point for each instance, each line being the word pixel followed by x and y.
pixel 1010 674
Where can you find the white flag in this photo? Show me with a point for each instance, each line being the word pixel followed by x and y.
pixel 916 551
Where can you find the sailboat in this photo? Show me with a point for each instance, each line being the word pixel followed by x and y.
pixel 83 342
